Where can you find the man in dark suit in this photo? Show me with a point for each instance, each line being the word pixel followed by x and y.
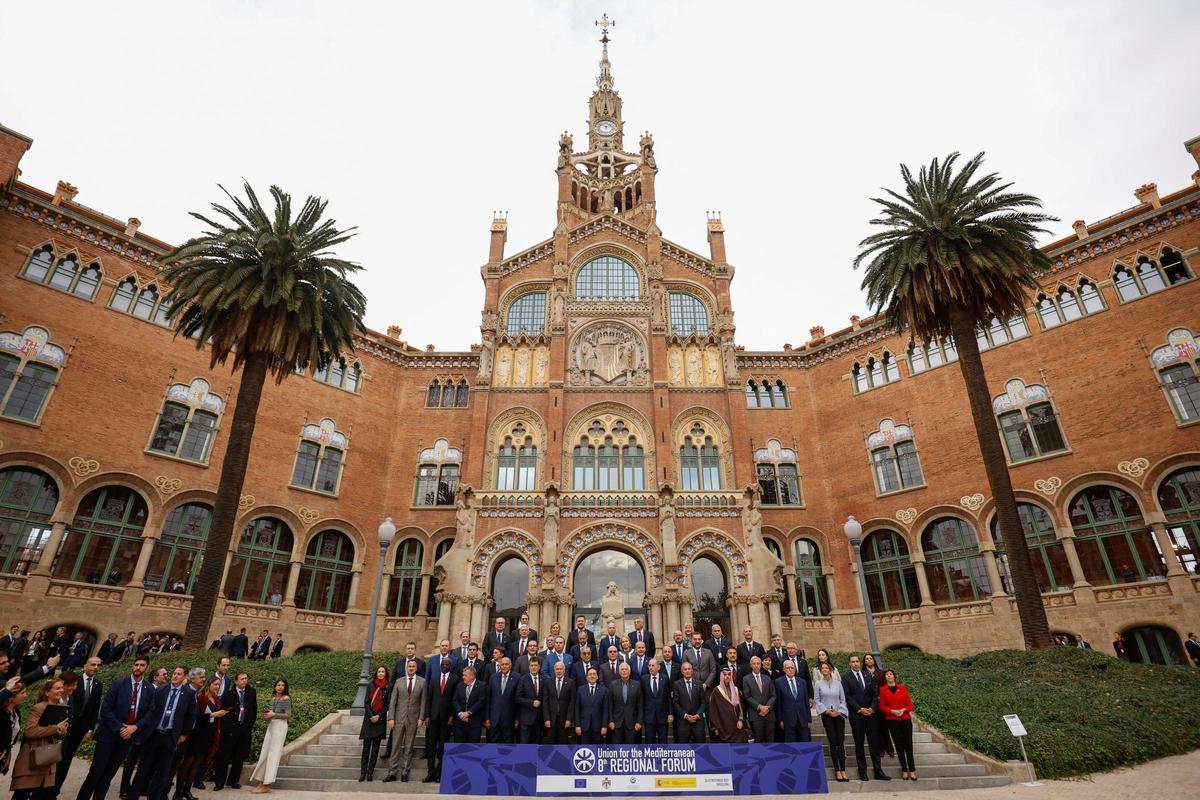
pixel 263 648
pixel 433 669
pixel 679 646
pixel 106 649
pixel 640 634
pixel 717 644
pixel 400 669
pixel 687 699
pixel 523 622
pixel 581 627
pixel 531 702
pixel 84 711
pixel 558 655
pixel 579 642
pixel 176 703
pixel 558 706
pixel 227 642
pixel 223 673
pixel 236 729
pixel 501 719
pixel 1080 643
pixel 656 702
pixel 240 645
pixel 777 653
pixel 758 692
pixel 1193 648
pixel 522 644
pixel 490 668
pixel 610 639
pixel 439 711
pixel 474 661
pixel 668 666
pixel 60 645
pixel 591 710
pixel 704 664
pixel 128 706
pixel 581 666
pixel 277 648
pixel 470 707
pixel 638 661
pixel 625 709
pixel 862 701
pixel 791 704
pixel 497 637
pixel 801 663
pixel 610 672
pixel 748 648
pixel 8 644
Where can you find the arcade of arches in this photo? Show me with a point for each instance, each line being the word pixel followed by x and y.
pixel 608 448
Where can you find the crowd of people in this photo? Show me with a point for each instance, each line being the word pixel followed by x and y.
pixel 624 689
pixel 237 645
pixel 164 730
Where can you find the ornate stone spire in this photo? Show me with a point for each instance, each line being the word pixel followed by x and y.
pixel 605 127
pixel 605 81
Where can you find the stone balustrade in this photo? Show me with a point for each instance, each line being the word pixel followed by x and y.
pixel 251 610
pixel 168 600
pixel 1131 591
pixel 975 608
pixel 609 504
pixel 85 591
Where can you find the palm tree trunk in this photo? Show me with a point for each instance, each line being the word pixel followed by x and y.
pixel 229 493
pixel 1034 627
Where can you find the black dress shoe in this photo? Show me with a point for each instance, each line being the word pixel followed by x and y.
pixel 235 786
pixel 404 777
pixel 389 778
pixel 428 779
pixel 881 776
pixel 217 787
pixel 362 776
pixel 862 776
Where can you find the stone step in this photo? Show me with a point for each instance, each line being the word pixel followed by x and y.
pixel 924 783
pixel 414 785
pixel 927 770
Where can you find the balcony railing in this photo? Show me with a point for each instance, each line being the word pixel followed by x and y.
pixel 609 504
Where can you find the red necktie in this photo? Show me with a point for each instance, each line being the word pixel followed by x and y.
pixel 410 686
pixel 443 690
pixel 133 705
pixel 535 684
pixel 522 647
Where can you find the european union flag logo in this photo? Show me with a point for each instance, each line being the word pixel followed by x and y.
pixel 581 783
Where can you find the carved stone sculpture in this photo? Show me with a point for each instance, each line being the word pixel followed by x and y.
pixel 612 607
pixel 712 367
pixel 608 354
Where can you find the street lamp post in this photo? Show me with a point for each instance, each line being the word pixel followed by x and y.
pixel 853 531
pixel 387 531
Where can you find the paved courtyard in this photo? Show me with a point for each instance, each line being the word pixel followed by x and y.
pixel 1176 776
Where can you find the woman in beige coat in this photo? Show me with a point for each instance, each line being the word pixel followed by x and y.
pixel 27 779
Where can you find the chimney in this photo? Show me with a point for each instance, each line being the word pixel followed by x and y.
pixel 1080 227
pixel 816 334
pixel 131 227
pixel 393 331
pixel 499 236
pixel 64 192
pixel 1193 147
pixel 1148 193
pixel 716 237
pixel 855 322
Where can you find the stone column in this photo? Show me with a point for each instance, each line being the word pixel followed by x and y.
pixel 1079 581
pixel 445 605
pixel 534 610
pixel 1163 537
pixel 143 563
pixel 829 590
pixel 757 618
pixel 922 582
pixel 548 614
pixel 993 572
pixel 355 579
pixel 672 621
pixel 50 549
pixel 477 620
pixel 293 581
pixel 685 612
pixel 566 605
pixel 793 597
pixel 656 622
pixel 775 618
pixel 423 599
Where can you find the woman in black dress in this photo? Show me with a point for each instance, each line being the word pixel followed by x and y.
pixel 374 724
pixel 203 743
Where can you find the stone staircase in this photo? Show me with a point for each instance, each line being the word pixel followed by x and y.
pixel 331 764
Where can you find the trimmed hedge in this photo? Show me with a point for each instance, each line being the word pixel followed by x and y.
pixel 1085 711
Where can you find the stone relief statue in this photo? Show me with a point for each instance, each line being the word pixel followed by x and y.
pixel 541 366
pixel 558 307
pixel 657 309
pixel 730 356
pixel 566 146
pixel 612 607
pixel 464 515
pixel 521 373
pixel 647 143
pixel 503 366
pixel 712 369
pixel 675 366
pixel 485 358
pixel 608 354
pixel 666 522
pixel 751 516
pixel 693 367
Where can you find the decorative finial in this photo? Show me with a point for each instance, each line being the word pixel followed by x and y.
pixel 605 80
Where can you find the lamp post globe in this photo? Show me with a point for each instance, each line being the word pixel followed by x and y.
pixel 387 532
pixel 853 530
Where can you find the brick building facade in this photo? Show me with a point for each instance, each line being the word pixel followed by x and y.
pixel 608 448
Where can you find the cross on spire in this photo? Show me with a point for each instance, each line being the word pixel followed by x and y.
pixel 605 23
pixel 605 79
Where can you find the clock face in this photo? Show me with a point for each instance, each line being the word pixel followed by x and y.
pixel 606 127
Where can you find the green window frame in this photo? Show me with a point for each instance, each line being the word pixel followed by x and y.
pixel 404 595
pixel 24 387
pixel 1179 498
pixel 28 498
pixel 1031 432
pixel 326 573
pixel 812 588
pixel 175 561
pixel 1050 565
pixel 104 540
pixel 954 565
pixel 259 568
pixel 890 576
pixel 1112 539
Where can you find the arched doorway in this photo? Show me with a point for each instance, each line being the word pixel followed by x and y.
pixel 1154 644
pixel 592 577
pixel 510 585
pixel 711 590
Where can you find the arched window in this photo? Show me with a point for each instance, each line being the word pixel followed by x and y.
pixel 37 268
pixel 688 314
pixel 175 561
pixel 337 373
pixel 28 498
pixel 104 539
pixel 1178 364
pixel 1050 565
pixel 699 462
pixel 516 462
pixel 1112 539
pixel 785 604
pixel 931 354
pixel 433 399
pixel 607 278
pixel 433 607
pixel 258 571
pixel 608 458
pixel 1174 268
pixel 66 275
pixel 510 586
pixel 1065 304
pixel 876 372
pixel 437 475
pixel 778 475
pixel 319 459
pixel 29 366
pixel 187 423
pixel 894 458
pixel 146 302
pixel 891 578
pixel 1089 295
pixel 592 576
pixel 711 591
pixel 447 394
pixel 1028 421
pixel 122 298
pixel 1179 497
pixel 811 587
pixel 752 398
pixel 527 314
pixel 1128 287
pixel 404 596
pixel 956 570
pixel 325 576
pixel 1154 644
pixel 998 331
pixel 461 393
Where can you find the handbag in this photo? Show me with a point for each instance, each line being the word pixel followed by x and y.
pixel 47 754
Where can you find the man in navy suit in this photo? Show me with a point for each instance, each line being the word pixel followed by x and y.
pixel 558 708
pixel 502 704
pixel 556 656
pixel 862 700
pixel 177 713
pixel 640 634
pixel 689 706
pixel 277 648
pixel 638 661
pixel 582 628
pixel 579 669
pixel 128 706
pixel 237 728
pixel 610 639
pixel 749 648
pixel 791 704
pixel 591 710
pixel 667 665
pixel 656 703
pixel 470 707
pixel 531 696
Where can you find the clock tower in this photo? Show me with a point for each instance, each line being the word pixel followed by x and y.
pixel 605 127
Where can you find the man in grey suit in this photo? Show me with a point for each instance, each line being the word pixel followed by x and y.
pixel 704 664
pixel 403 719
pixel 758 691
pixel 625 709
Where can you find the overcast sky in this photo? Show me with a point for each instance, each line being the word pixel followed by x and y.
pixel 417 120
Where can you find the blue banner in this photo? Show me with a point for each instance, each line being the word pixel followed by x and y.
pixel 528 769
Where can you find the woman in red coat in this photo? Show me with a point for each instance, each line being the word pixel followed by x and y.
pixel 896 707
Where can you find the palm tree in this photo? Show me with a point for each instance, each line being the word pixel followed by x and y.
pixel 957 251
pixel 267 290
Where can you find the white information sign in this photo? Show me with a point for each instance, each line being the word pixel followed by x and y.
pixel 1014 725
